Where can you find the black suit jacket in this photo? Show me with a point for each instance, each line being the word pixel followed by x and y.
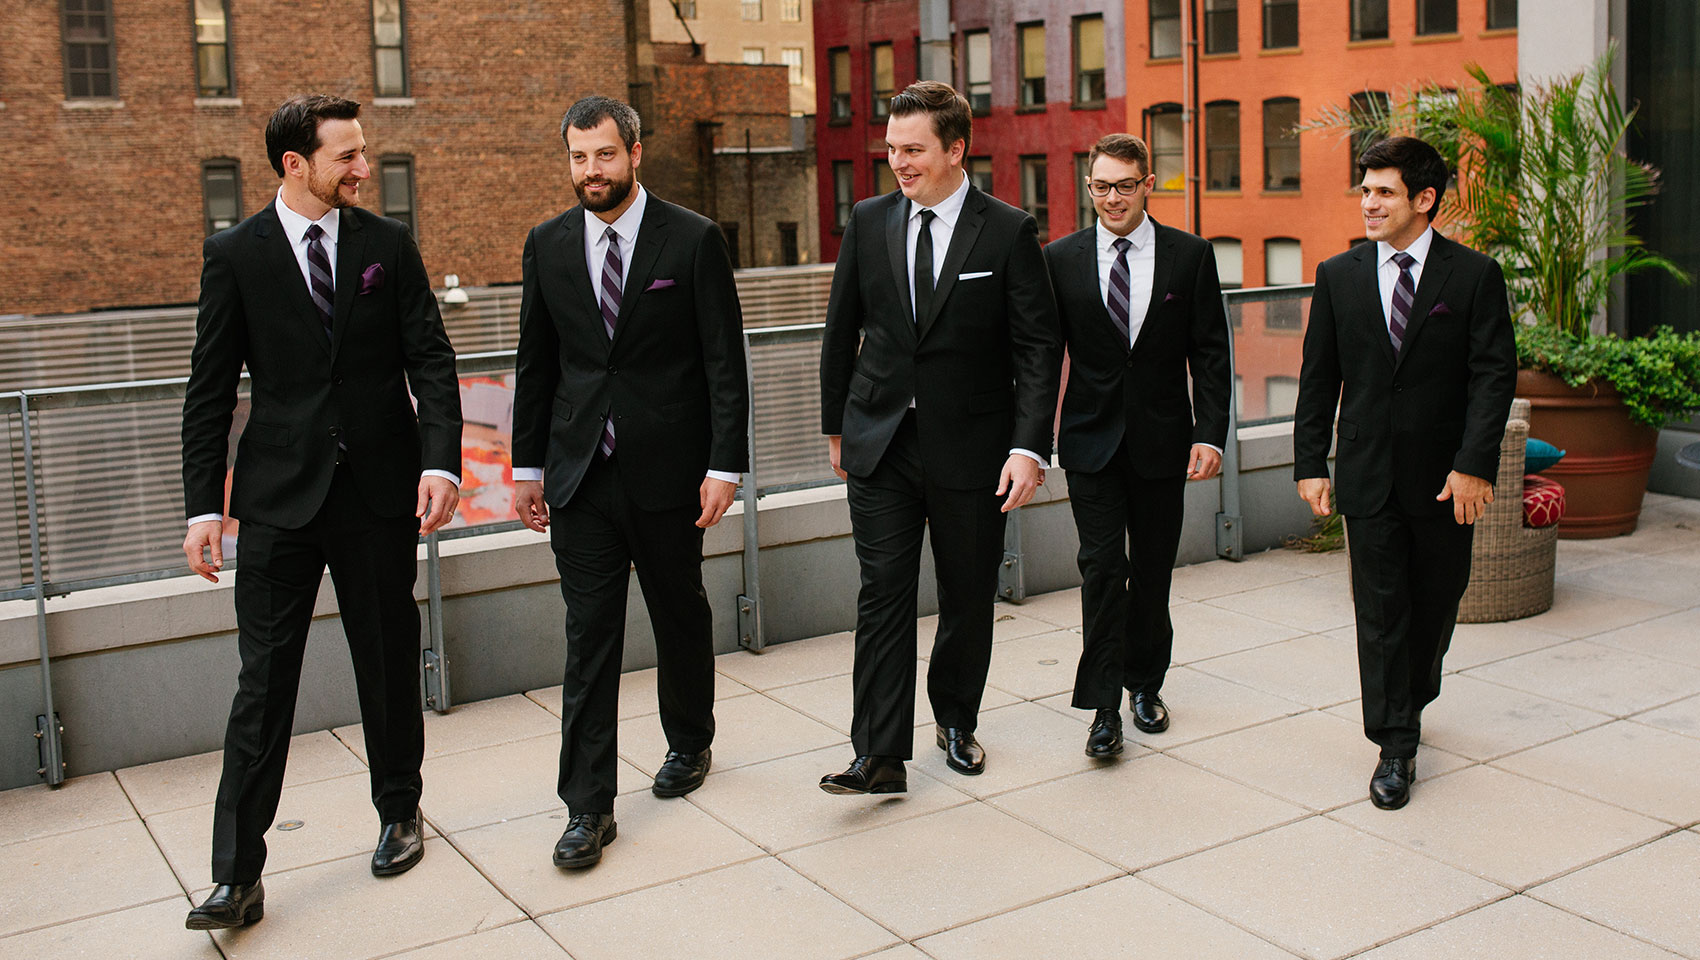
pixel 982 367
pixel 673 376
pixel 1405 421
pixel 1141 393
pixel 309 394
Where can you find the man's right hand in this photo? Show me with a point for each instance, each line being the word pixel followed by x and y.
pixel 1317 492
pixel 529 504
pixel 208 534
pixel 834 449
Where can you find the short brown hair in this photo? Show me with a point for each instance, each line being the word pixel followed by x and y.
pixel 294 126
pixel 952 118
pixel 1124 147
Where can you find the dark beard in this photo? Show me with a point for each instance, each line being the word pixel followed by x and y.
pixel 618 191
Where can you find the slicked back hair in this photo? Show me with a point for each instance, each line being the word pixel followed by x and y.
pixel 589 112
pixel 1419 165
pixel 294 126
pixel 953 120
pixel 1124 147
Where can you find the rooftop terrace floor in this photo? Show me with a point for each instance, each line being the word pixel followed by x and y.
pixel 1556 811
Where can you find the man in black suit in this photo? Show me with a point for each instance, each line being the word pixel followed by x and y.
pixel 630 420
pixel 334 467
pixel 1141 306
pixel 941 418
pixel 1411 337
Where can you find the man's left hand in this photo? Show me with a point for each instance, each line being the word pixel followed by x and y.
pixel 716 497
pixel 1021 478
pixel 1469 496
pixel 1203 463
pixel 437 500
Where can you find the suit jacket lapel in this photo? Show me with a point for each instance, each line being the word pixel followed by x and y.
pixel 968 223
pixel 1083 262
pixel 1163 264
pixel 291 284
pixel 350 249
pixel 1428 290
pixel 651 237
pixel 1367 283
pixel 897 248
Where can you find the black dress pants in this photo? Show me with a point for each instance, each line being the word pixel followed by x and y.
pixel 1408 574
pixel 372 563
pixel 598 537
pixel 1130 528
pixel 891 509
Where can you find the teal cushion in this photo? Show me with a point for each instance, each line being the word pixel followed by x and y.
pixel 1539 455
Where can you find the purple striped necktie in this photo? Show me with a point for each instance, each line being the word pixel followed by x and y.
pixel 1404 294
pixel 610 290
pixel 1121 292
pixel 321 283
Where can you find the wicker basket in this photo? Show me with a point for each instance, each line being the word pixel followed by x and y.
pixel 1511 566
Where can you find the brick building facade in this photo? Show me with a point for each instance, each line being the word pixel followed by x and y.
pixel 746 31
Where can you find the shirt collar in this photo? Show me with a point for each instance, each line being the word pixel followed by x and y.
pixel 947 209
pixel 627 224
pixel 1139 237
pixel 295 225
pixel 1418 249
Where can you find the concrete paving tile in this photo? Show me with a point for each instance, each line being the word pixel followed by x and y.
pixel 1314 759
pixel 1219 578
pixel 29 813
pixel 1481 720
pixel 1681 717
pixel 1663 532
pixel 502 782
pixel 1287 885
pixel 471 726
pixel 658 840
pixel 747 729
pixel 69 876
pixel 1008 623
pixel 1038 666
pixel 151 932
pixel 1601 678
pixel 778 916
pixel 1646 893
pixel 1322 564
pixel 1140 812
pixel 831 702
pixel 1641 768
pixel 1516 928
pixel 1201 705
pixel 779 804
pixel 1474 644
pixel 192 781
pixel 1576 555
pixel 1111 921
pixel 1313 605
pixel 1577 612
pixel 1644 578
pixel 1025 744
pixel 637 693
pixel 925 875
pixel 1315 669
pixel 1505 828
pixel 1203 631
pixel 902 951
pixel 516 941
pixel 1674 637
pixel 1060 607
pixel 793 662
pixel 326 911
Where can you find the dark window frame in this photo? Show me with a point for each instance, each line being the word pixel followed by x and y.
pixel 1359 31
pixel 881 169
pixel 1152 20
pixel 1213 150
pixel 1428 10
pixel 1039 208
pixel 1497 10
pixel 405 161
pixel 1270 40
pixel 1290 143
pixel 840 103
pixel 401 46
pixel 790 244
pixel 729 231
pixel 220 163
pixel 1079 76
pixel 1220 41
pixel 969 164
pixel 201 89
pixel 1357 143
pixel 842 206
pixel 979 107
pixel 1085 215
pixel 109 43
pixel 880 107
pixel 1150 115
pixel 1024 100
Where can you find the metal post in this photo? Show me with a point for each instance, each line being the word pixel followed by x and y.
pixel 749 602
pixel 1012 580
pixel 48 730
pixel 436 658
pixel 1230 540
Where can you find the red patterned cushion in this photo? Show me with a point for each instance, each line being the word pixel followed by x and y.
pixel 1543 501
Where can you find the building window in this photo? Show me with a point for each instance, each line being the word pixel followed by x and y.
pixel 395 190
pixel 1221 26
pixel 1283 266
pixel 1280 144
pixel 792 57
pixel 1280 393
pixel 843 192
pixel 212 49
pixel 1084 215
pixel 221 194
pixel 1369 19
pixel 1437 16
pixel 388 49
pixel 749 10
pixel 838 62
pixel 789 252
pixel 687 9
pixel 1089 61
pixel 1222 145
pixel 885 179
pixel 1030 55
pixel 791 11
pixel 1230 268
pixel 1165 29
pixel 977 70
pixel 1035 193
pixel 1280 24
pixel 1364 105
pixel 980 173
pixel 729 228
pixel 884 79
pixel 1163 134
pixel 753 56
pixel 91 69
pixel 1502 14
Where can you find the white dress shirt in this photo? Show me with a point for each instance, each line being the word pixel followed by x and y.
pixel 1387 272
pixel 595 254
pixel 1141 269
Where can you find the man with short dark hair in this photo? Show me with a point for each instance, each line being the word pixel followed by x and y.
pixel 330 309
pixel 939 369
pixel 630 418
pixel 1141 310
pixel 1410 336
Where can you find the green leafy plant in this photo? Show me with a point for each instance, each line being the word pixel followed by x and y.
pixel 1657 376
pixel 1327 534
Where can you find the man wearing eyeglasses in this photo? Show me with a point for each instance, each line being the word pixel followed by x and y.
pixel 1141 308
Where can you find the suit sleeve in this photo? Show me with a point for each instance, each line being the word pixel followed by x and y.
pixel 720 328
pixel 1036 342
pixel 1208 357
pixel 1319 387
pixel 538 367
pixel 429 359
pixel 1493 376
pixel 842 336
pixel 215 366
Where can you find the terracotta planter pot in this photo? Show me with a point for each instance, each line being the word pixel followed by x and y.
pixel 1607 458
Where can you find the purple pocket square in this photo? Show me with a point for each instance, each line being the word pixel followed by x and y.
pixel 1169 296
pixel 658 285
pixel 1440 310
pixel 372 279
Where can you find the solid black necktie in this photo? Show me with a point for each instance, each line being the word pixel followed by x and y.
pixel 924 267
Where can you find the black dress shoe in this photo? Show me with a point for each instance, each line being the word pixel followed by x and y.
pixel 868 775
pixel 399 847
pixel 1104 740
pixel 229 905
pixel 1150 714
pixel 582 842
pixel 1390 788
pixel 962 752
pixel 680 773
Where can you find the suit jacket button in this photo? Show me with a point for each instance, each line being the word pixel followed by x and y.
pixel 337 381
pixel 613 369
pixel 335 431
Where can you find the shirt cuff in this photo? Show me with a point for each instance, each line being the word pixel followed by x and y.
pixel 441 473
pixel 203 518
pixel 724 475
pixel 1041 461
pixel 1212 446
pixel 528 474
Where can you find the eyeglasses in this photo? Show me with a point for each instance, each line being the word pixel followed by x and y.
pixel 1126 188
